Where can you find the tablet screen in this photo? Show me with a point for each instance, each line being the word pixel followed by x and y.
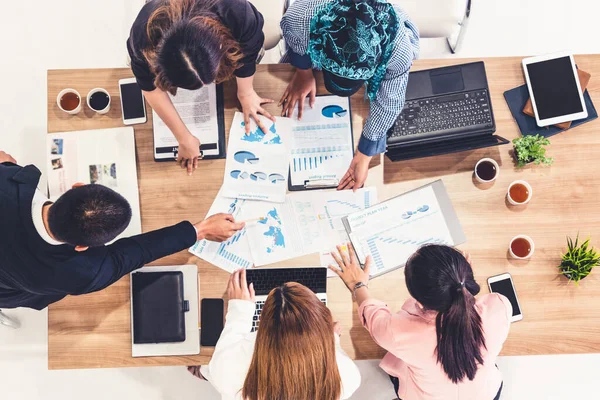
pixel 554 88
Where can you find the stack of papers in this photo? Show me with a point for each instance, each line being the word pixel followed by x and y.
pixel 307 222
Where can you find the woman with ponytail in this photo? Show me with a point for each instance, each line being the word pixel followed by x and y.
pixel 191 43
pixel 444 342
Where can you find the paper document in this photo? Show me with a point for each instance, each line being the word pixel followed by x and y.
pixel 392 231
pixel 322 146
pixel 103 157
pixel 198 110
pixel 308 222
pixel 305 223
pixel 234 253
pixel 257 164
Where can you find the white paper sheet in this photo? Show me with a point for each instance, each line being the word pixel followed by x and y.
pixel 393 230
pixel 308 222
pixel 322 141
pixel 104 157
pixel 234 253
pixel 198 110
pixel 305 223
pixel 257 164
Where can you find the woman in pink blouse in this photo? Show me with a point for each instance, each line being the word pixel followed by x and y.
pixel 444 342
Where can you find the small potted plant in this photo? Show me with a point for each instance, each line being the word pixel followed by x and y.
pixel 579 260
pixel 530 149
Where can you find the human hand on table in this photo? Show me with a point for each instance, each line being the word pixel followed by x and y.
pixel 5 157
pixel 218 227
pixel 357 173
pixel 238 289
pixel 303 84
pixel 189 153
pixel 348 267
pixel 252 106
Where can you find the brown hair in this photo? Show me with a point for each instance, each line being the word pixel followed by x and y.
pixel 189 46
pixel 294 356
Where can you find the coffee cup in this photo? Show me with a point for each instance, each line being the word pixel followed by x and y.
pixel 521 247
pixel 519 193
pixel 98 100
pixel 486 170
pixel 69 101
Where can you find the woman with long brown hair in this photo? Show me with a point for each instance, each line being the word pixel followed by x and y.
pixel 295 355
pixel 191 43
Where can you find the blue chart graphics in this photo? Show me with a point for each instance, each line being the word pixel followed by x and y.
pixel 274 178
pixel 314 158
pixel 237 174
pixel 333 111
pixel 245 157
pixel 274 232
pixel 380 246
pixel 229 256
pixel 258 176
pixel 258 136
pixel 408 214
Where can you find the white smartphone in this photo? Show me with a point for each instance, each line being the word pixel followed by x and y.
pixel 133 106
pixel 554 88
pixel 503 284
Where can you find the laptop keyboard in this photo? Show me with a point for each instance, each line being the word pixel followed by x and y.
pixel 266 279
pixel 258 311
pixel 444 115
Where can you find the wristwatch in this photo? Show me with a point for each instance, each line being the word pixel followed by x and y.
pixel 358 286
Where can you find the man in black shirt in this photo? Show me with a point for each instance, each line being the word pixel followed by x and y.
pixel 51 250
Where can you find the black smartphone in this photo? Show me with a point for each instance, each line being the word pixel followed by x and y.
pixel 211 321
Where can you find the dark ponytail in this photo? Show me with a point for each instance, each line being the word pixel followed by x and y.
pixel 441 279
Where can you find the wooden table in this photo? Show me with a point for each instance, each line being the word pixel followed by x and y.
pixel 93 331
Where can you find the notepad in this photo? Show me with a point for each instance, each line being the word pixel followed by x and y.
pixel 158 307
pixel 322 144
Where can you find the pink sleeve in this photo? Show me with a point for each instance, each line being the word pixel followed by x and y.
pixel 376 316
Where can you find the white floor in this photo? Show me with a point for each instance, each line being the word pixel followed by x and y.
pixel 91 33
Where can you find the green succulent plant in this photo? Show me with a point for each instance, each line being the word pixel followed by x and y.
pixel 531 149
pixel 579 260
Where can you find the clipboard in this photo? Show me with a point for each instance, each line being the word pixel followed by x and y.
pixel 444 209
pixel 219 144
pixel 347 110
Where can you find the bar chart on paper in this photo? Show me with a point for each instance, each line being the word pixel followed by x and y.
pixel 390 247
pixel 307 159
pixel 230 257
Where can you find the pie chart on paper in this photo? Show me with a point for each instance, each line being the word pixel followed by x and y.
pixel 258 176
pixel 274 178
pixel 333 111
pixel 245 156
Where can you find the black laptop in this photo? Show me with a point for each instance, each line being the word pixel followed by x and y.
pixel 447 110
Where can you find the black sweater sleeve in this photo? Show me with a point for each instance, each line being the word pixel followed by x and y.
pixel 251 38
pixel 129 254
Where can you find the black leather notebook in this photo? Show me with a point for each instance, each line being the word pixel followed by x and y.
pixel 158 307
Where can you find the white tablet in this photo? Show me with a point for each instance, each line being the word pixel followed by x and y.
pixel 554 88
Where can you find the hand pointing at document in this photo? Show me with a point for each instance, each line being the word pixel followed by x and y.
pixel 218 227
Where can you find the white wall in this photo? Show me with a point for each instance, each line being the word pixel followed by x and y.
pixel 41 35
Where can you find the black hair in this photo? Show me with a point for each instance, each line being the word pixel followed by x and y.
pixel 441 279
pixel 189 46
pixel 89 215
